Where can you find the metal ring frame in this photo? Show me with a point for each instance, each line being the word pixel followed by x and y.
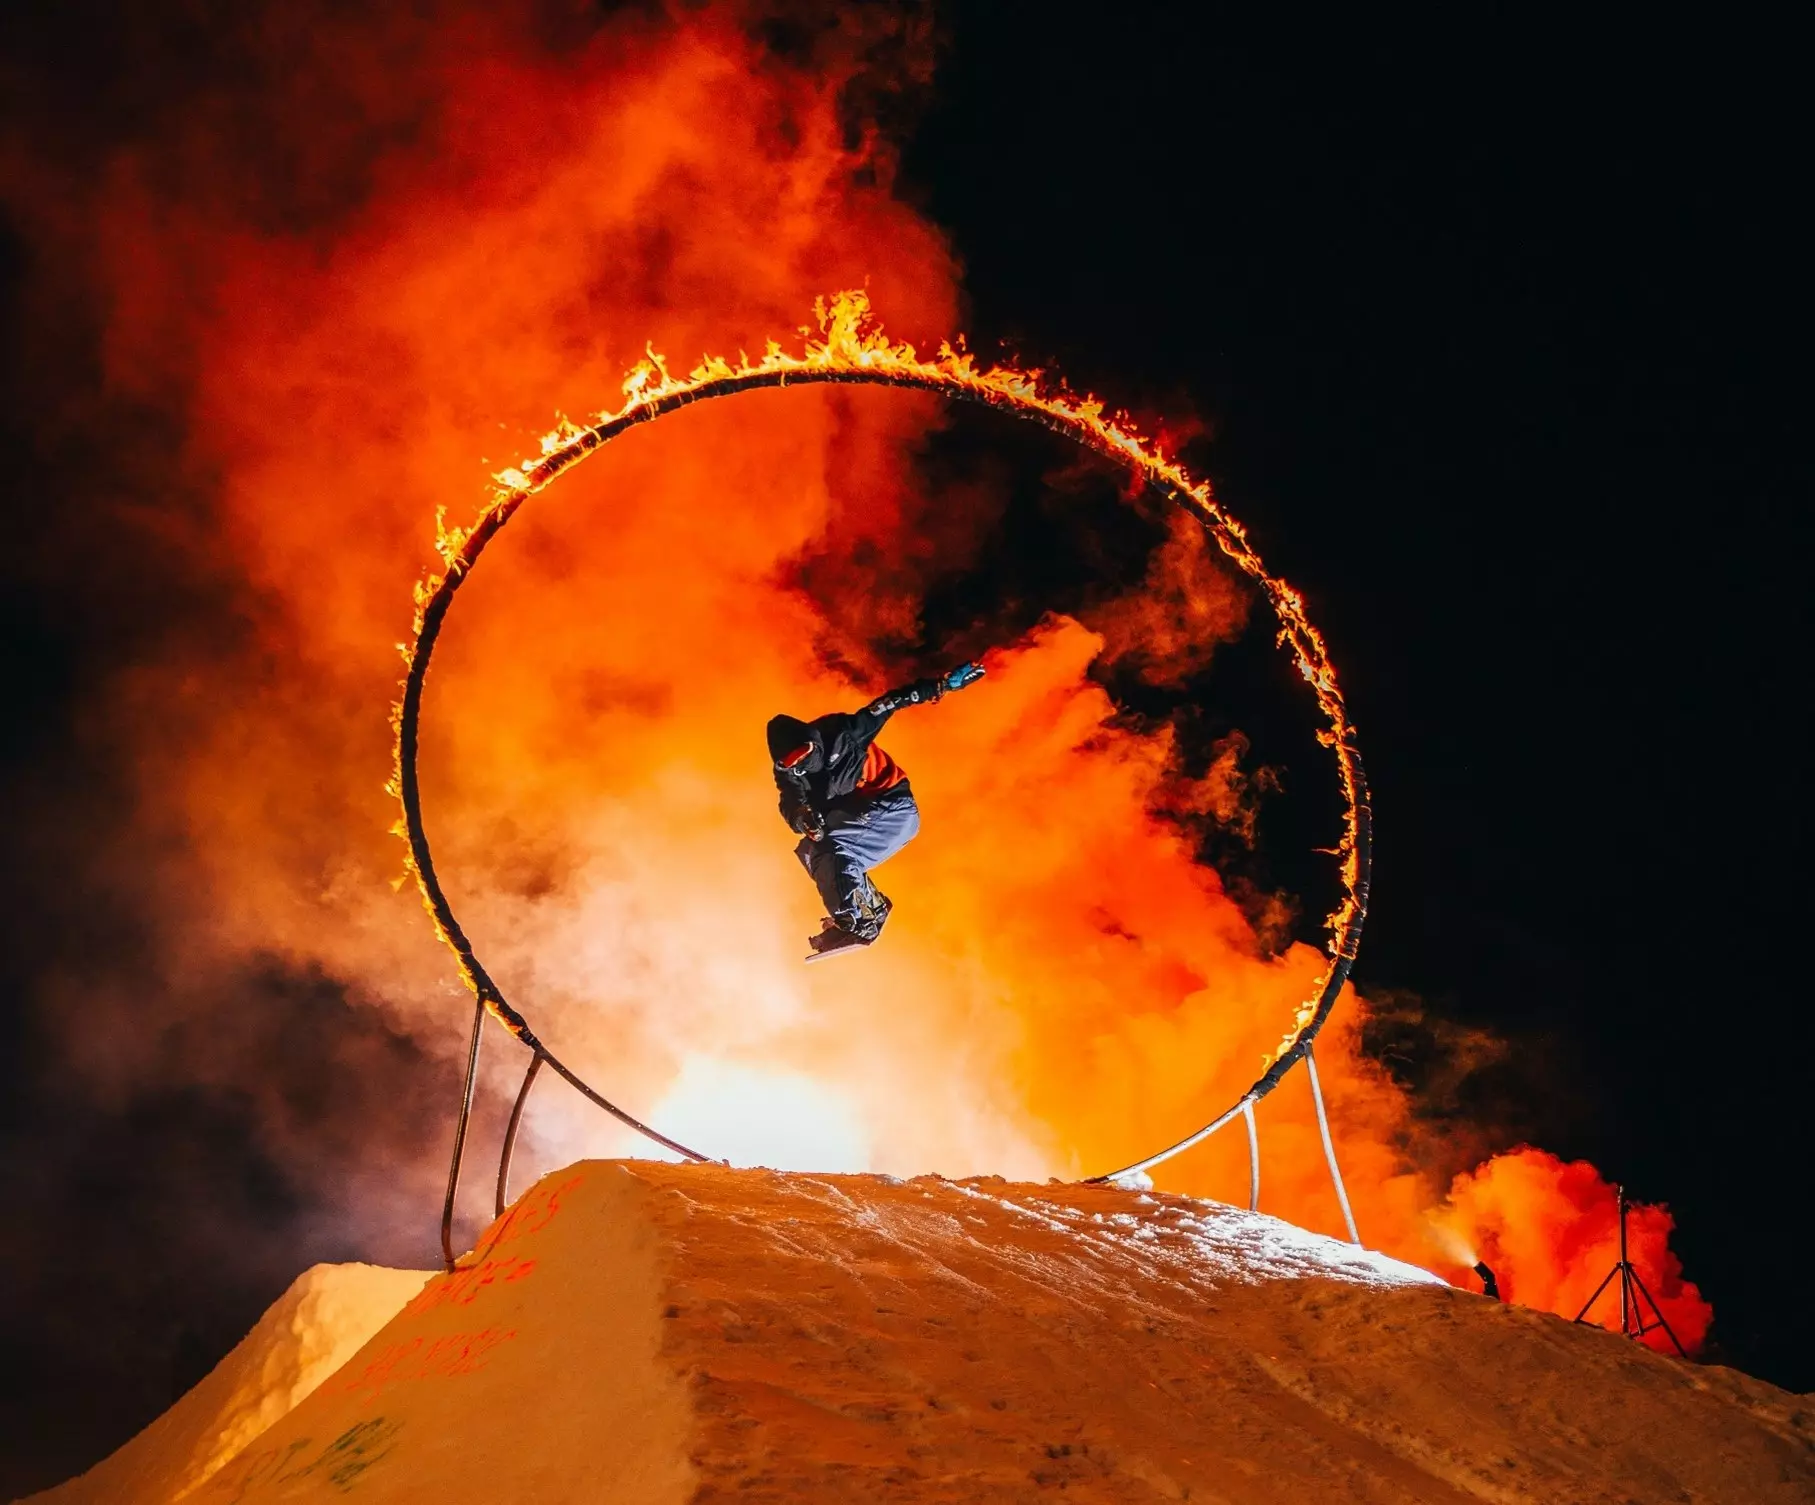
pixel 852 352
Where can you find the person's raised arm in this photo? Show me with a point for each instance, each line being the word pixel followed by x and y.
pixel 920 692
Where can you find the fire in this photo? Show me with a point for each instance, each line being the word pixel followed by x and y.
pixel 1062 986
pixel 851 347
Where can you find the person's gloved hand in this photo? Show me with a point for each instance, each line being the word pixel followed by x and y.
pixel 964 674
pixel 807 822
pixel 801 817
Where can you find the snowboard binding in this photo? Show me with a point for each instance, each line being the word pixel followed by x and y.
pixel 852 929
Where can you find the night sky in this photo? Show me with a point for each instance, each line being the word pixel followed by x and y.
pixel 1493 335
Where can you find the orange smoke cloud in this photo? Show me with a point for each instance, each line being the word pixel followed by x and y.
pixel 1063 986
pixel 1187 606
pixel 1551 1230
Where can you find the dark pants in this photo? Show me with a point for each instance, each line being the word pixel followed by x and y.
pixel 859 836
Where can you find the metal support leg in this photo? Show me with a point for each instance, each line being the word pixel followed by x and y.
pixel 1582 1316
pixel 466 1113
pixel 1329 1149
pixel 1658 1311
pixel 1253 1157
pixel 510 1134
pixel 1164 1155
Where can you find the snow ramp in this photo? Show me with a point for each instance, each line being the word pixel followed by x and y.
pixel 326 1316
pixel 641 1332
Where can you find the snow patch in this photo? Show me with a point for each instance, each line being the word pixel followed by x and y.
pixel 1210 1239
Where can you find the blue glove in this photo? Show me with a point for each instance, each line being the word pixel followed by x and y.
pixel 964 674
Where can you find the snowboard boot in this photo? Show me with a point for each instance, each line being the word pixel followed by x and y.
pixel 873 912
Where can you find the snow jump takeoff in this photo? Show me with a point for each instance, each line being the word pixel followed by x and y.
pixel 851 804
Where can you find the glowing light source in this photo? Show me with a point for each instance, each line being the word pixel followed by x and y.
pixel 759 1116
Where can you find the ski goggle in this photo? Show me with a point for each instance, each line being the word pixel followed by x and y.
pixel 794 759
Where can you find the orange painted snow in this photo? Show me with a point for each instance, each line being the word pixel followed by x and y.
pixel 641 1332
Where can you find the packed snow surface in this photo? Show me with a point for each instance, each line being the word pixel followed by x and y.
pixel 325 1317
pixel 642 1332
pixel 1208 1241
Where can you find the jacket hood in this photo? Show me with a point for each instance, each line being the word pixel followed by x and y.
pixel 787 733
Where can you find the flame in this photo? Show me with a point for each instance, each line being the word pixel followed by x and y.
pixel 851 345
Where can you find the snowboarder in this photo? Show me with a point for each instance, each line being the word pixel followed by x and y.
pixel 851 804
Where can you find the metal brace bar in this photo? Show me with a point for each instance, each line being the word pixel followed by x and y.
pixel 1329 1149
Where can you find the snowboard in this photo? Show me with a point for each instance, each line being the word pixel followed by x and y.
pixel 834 942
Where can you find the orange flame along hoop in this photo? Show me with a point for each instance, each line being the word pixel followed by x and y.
pixel 850 347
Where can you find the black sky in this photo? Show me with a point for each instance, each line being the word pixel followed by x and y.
pixel 1497 335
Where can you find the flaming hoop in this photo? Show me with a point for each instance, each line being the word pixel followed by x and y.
pixel 849 347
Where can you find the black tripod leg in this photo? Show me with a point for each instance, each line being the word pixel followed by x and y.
pixel 1662 1320
pixel 1588 1305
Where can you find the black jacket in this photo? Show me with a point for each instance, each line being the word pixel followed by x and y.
pixel 827 777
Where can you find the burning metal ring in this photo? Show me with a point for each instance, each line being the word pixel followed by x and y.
pixel 852 349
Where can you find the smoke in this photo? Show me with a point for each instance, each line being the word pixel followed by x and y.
pixel 1553 1228
pixel 1187 605
pixel 320 286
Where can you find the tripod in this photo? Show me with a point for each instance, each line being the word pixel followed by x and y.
pixel 1632 1317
